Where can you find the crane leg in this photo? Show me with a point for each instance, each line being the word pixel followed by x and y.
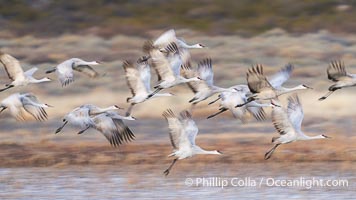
pixel 6 88
pixel 166 172
pixel 60 128
pixel 82 131
pixel 270 152
pixel 221 111
pixel 214 101
pixel 154 92
pixel 326 95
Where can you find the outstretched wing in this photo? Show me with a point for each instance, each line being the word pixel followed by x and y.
pixel 336 70
pixel 12 66
pixel 114 130
pixel 166 38
pixel 295 112
pixel 281 121
pixel 188 72
pixel 256 80
pixel 145 74
pixel 174 58
pixel 87 70
pixel 34 107
pixel 205 71
pixel 190 129
pixel 282 76
pixel 175 127
pixel 133 79
pixel 31 71
pixel 64 72
pixel 257 112
pixel 147 46
pixel 161 65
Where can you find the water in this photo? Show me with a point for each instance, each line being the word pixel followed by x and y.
pixel 147 181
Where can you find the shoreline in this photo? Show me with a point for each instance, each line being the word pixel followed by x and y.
pixel 51 154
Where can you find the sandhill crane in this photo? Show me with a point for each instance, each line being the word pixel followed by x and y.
pixel 168 69
pixel 182 133
pixel 337 73
pixel 138 80
pixel 288 124
pixel 109 123
pixel 23 104
pixel 170 36
pixel 238 95
pixel 205 88
pixel 166 39
pixel 16 74
pixel 263 89
pixel 65 69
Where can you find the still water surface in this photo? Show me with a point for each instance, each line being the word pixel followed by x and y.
pixel 147 182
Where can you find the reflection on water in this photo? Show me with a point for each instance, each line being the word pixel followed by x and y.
pixel 147 181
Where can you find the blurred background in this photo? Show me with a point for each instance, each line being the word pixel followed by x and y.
pixel 306 33
pixel 108 18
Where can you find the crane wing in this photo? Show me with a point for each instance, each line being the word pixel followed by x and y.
pixel 175 128
pixel 114 130
pixel 205 71
pixel 282 76
pixel 166 38
pixel 12 66
pixel 281 121
pixel 34 107
pixel 190 129
pixel 161 65
pixel 189 72
pixel 145 74
pixel 336 70
pixel 256 80
pixel 257 112
pixel 87 70
pixel 133 79
pixel 295 112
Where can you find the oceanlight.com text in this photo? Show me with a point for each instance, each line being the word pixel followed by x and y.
pixel 304 182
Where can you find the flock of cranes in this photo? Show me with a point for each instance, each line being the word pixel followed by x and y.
pixel 169 56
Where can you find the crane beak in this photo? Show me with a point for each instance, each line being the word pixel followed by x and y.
pixel 308 87
pixel 118 107
pixel 274 104
pixel 325 136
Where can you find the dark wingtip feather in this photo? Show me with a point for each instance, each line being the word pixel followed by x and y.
pixel 168 114
pixel 185 114
pixel 172 48
pixel 147 46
